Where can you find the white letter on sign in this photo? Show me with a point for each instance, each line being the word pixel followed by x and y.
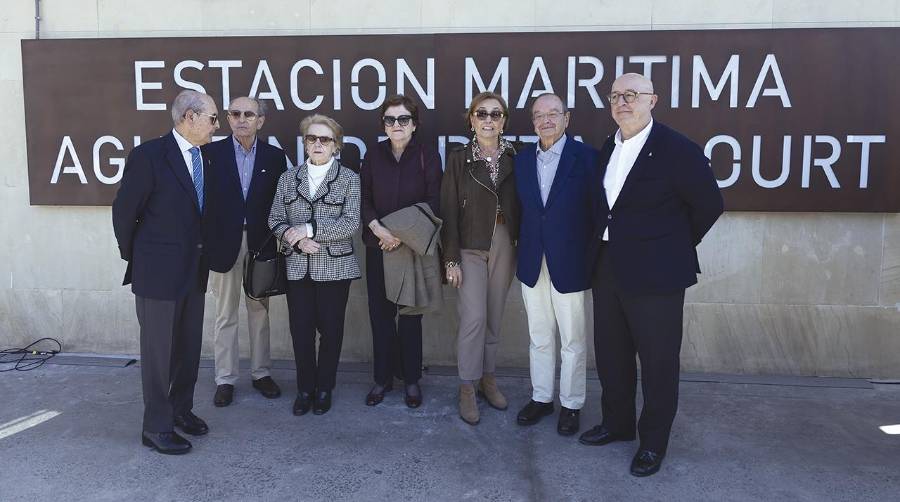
pixel 140 85
pixel 75 168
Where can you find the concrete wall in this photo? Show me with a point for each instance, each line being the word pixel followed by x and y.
pixel 802 293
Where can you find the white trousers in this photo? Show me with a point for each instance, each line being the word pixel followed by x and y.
pixel 551 312
pixel 228 289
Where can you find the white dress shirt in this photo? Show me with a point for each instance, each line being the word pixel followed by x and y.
pixel 620 163
pixel 185 147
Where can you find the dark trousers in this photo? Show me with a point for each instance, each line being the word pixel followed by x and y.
pixel 396 340
pixel 648 325
pixel 171 336
pixel 317 306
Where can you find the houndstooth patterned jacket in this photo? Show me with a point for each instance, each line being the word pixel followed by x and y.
pixel 333 212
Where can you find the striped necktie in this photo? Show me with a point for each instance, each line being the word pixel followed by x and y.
pixel 197 169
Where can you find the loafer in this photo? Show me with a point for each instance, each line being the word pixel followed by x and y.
pixel 646 463
pixel 413 396
pixel 168 443
pixel 303 403
pixel 323 402
pixel 191 424
pixel 267 387
pixel 224 395
pixel 376 395
pixel 533 412
pixel 569 421
pixel 599 435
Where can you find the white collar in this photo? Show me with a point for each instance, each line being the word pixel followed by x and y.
pixel 638 138
pixel 183 144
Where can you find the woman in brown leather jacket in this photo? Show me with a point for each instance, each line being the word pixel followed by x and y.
pixel 481 223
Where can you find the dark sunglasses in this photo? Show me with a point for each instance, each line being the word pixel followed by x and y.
pixel 494 115
pixel 390 120
pixel 312 138
pixel 236 114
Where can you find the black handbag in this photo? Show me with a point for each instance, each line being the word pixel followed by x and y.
pixel 264 276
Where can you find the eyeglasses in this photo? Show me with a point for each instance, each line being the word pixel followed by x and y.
pixel 495 115
pixel 312 138
pixel 537 118
pixel 213 118
pixel 629 96
pixel 236 114
pixel 391 120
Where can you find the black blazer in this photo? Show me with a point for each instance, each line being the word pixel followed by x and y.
pixel 225 234
pixel 669 201
pixel 158 223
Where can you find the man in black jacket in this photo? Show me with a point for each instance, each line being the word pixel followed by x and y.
pixel 157 218
pixel 655 199
pixel 245 172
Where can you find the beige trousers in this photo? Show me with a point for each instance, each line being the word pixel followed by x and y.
pixel 551 312
pixel 228 289
pixel 486 276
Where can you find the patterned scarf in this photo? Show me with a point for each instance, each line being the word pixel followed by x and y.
pixel 492 163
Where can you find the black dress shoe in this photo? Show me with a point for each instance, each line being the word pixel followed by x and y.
pixel 168 443
pixel 224 395
pixel 191 424
pixel 533 412
pixel 569 421
pixel 413 396
pixel 646 463
pixel 323 402
pixel 303 403
pixel 599 435
pixel 376 395
pixel 267 387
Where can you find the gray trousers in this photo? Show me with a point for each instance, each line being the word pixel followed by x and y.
pixel 486 276
pixel 171 336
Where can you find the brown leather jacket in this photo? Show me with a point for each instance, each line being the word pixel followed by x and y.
pixel 469 201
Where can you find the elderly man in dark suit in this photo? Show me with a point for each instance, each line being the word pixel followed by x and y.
pixel 245 172
pixel 157 218
pixel 655 200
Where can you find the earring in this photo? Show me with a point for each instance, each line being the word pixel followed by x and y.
pixel 472 128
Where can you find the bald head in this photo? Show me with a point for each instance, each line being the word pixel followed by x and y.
pixel 634 81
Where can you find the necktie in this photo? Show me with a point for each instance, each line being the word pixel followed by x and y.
pixel 197 169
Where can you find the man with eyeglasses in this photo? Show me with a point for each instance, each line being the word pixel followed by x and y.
pixel 245 173
pixel 158 216
pixel 657 199
pixel 553 181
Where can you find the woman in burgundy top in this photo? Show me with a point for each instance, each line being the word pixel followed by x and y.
pixel 395 174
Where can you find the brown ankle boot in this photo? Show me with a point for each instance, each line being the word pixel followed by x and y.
pixel 488 387
pixel 468 408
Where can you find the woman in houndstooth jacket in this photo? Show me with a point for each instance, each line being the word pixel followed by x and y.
pixel 316 212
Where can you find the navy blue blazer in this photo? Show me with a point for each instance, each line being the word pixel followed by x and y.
pixel 561 229
pixel 669 201
pixel 224 236
pixel 158 223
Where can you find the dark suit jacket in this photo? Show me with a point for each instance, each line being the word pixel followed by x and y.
pixel 224 236
pixel 158 224
pixel 669 201
pixel 561 229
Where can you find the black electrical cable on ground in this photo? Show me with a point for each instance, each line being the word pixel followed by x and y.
pixel 27 358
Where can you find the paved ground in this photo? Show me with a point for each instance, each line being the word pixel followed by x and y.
pixel 734 439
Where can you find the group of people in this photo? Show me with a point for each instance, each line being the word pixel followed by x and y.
pixel 610 232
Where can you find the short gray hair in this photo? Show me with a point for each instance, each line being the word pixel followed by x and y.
pixel 187 100
pixel 261 106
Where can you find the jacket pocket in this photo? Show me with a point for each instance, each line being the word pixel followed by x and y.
pixel 340 249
